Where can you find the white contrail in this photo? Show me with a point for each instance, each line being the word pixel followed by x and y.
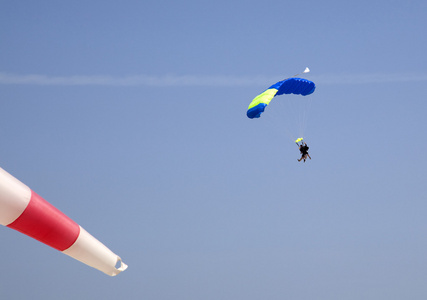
pixel 340 79
pixel 194 80
pixel 138 80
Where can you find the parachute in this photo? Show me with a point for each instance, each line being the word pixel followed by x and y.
pixel 25 211
pixel 299 140
pixel 293 85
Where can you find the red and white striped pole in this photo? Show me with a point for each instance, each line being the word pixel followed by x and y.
pixel 25 211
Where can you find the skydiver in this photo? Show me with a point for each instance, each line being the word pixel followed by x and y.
pixel 303 148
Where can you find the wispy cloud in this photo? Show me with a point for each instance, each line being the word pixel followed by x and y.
pixel 193 80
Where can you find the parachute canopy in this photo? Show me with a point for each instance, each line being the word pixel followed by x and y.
pixel 299 140
pixel 297 86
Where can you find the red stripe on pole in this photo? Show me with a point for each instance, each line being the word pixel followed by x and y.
pixel 45 223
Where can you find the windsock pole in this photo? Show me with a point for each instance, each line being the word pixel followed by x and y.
pixel 25 211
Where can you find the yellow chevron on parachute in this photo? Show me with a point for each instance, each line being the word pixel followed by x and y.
pixel 264 98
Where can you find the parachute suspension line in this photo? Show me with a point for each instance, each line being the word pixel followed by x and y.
pixel 295 106
pixel 289 133
pixel 275 119
pixel 299 109
pixel 305 113
pixel 282 118
pixel 295 109
pixel 303 108
pixel 289 115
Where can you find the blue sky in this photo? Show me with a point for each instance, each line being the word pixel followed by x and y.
pixel 130 117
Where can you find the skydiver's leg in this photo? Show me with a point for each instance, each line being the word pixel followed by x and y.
pixel 309 156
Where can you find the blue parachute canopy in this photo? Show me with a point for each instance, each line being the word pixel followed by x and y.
pixel 297 86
